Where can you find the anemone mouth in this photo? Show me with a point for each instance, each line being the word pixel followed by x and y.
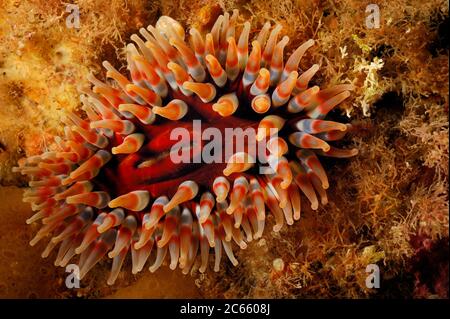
pixel 111 185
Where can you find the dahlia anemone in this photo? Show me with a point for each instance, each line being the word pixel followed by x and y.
pixel 109 186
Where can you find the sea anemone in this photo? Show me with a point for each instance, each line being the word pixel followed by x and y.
pixel 111 184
